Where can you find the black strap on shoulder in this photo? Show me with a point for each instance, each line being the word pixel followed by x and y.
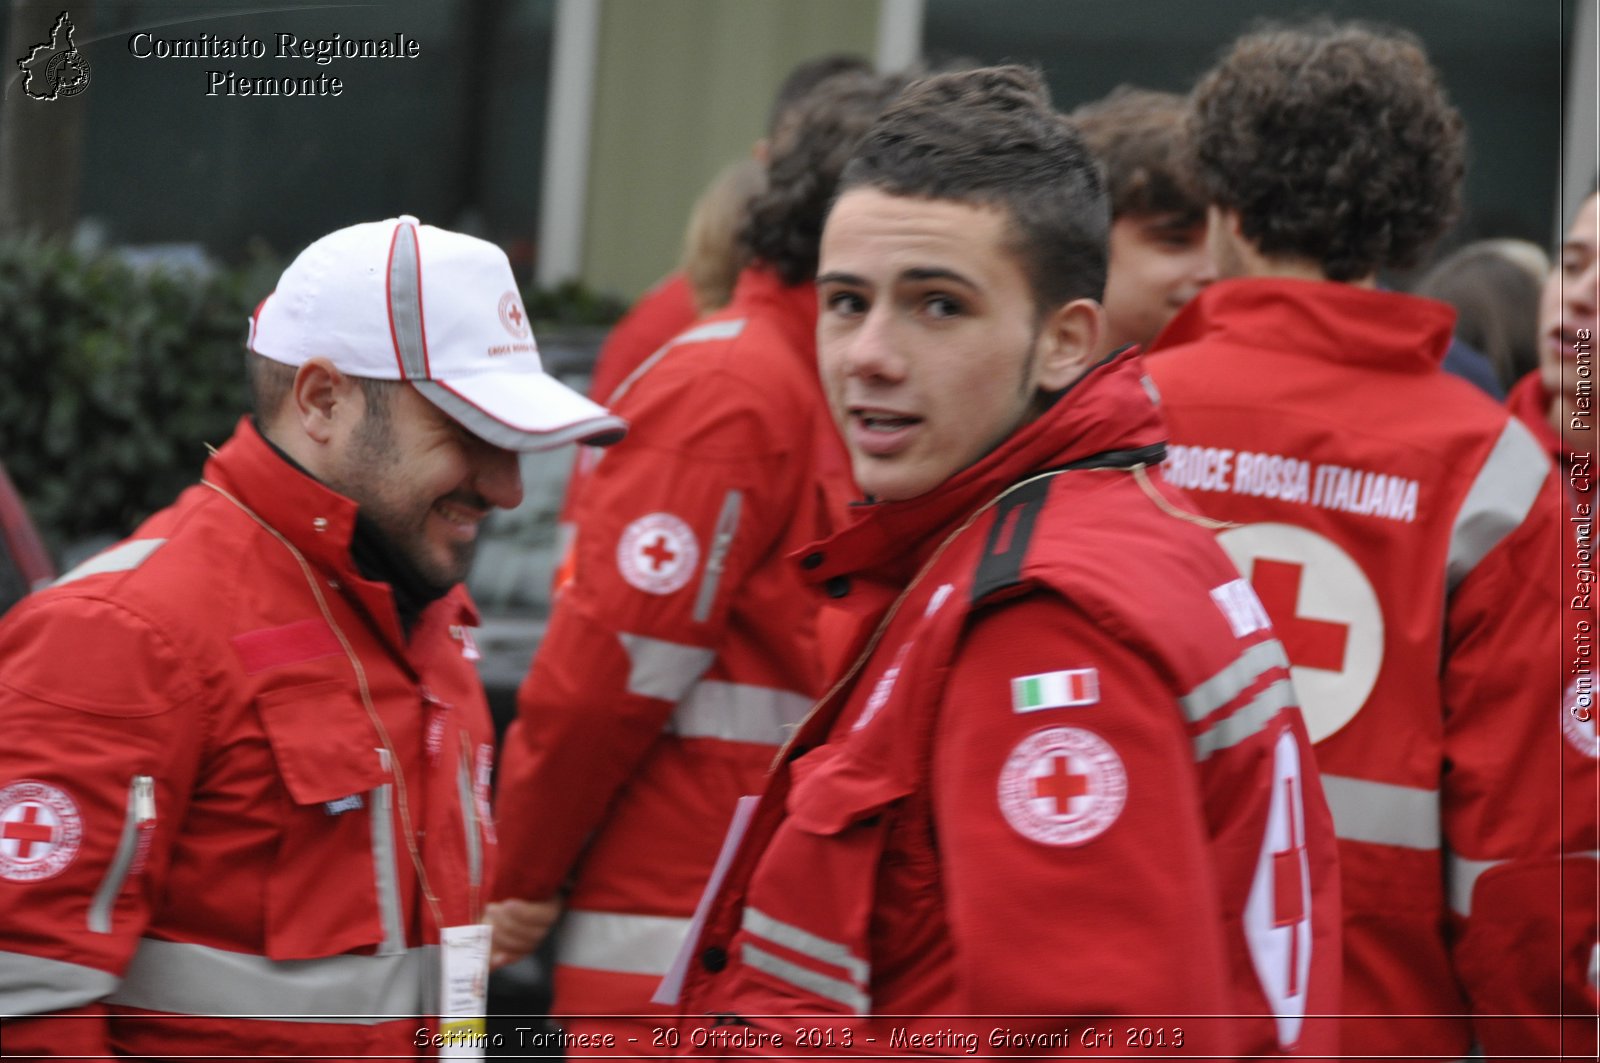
pixel 1001 564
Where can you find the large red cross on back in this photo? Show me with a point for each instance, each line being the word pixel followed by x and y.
pixel 1310 643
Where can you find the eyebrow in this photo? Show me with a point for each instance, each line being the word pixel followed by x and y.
pixel 916 274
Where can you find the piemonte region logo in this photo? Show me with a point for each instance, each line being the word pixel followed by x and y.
pixel 55 68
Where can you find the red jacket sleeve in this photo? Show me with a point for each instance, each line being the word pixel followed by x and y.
pixel 644 615
pixel 1519 797
pixel 1109 902
pixel 102 727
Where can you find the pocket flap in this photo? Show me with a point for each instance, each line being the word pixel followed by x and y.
pixel 323 741
pixel 833 790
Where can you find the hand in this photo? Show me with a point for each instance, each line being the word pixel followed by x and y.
pixel 518 927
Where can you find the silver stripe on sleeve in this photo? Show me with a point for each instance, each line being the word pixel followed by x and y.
pixel 738 712
pixel 1247 721
pixel 806 943
pixel 1383 813
pixel 105 898
pixel 120 558
pixel 186 979
pixel 721 543
pixel 835 989
pixel 619 942
pixel 661 669
pixel 383 870
pixel 715 330
pixel 1498 500
pixel 33 985
pixel 1461 878
pixel 1233 680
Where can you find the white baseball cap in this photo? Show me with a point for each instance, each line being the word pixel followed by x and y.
pixel 398 300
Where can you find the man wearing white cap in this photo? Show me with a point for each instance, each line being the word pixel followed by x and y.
pixel 244 801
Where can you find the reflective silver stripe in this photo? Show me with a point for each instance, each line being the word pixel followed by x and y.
pixel 807 979
pixel 105 898
pixel 1383 813
pixel 1247 721
pixel 721 543
pixel 737 712
pixel 405 303
pixel 806 943
pixel 31 985
pixel 715 330
pixel 661 669
pixel 119 558
pixel 625 944
pixel 1233 680
pixel 198 980
pixel 469 820
pixel 383 870
pixel 1499 499
pixel 1461 878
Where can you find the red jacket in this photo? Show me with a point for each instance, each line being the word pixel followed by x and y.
pixel 1065 786
pixel 682 651
pixel 1396 524
pixel 200 816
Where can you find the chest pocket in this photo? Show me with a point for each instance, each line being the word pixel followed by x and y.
pixel 333 886
pixel 812 946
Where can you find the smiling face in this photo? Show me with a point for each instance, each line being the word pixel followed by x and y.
pixel 1158 262
pixel 1567 307
pixel 424 480
pixel 931 348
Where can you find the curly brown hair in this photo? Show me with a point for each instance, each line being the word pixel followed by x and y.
pixel 1139 138
pixel 1334 142
pixel 989 137
pixel 783 225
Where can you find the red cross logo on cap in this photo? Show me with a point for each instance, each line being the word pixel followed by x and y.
pixel 512 316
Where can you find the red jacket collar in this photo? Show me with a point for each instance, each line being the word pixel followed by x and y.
pixel 790 308
pixel 1108 409
pixel 1333 321
pixel 1530 403
pixel 316 519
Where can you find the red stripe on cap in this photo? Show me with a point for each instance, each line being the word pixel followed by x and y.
pixel 272 647
pixel 388 301
pixel 422 321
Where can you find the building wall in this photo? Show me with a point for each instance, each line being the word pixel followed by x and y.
pixel 683 88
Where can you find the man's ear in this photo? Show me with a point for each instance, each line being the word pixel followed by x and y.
pixel 1069 343
pixel 322 398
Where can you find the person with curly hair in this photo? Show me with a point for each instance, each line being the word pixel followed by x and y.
pixel 684 648
pixel 1159 255
pixel 1400 528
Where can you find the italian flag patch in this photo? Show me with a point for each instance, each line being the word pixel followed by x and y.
pixel 1055 690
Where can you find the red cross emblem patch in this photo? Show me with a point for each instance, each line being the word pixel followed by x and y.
pixel 40 830
pixel 1062 786
pixel 512 315
pixel 657 553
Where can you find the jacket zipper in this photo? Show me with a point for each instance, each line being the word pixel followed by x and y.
pixel 137 826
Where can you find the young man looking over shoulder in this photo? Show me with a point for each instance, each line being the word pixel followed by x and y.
pixel 1068 749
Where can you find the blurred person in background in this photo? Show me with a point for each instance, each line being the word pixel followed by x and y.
pixel 1159 255
pixel 1065 775
pixel 1494 286
pixel 1394 522
pixel 684 647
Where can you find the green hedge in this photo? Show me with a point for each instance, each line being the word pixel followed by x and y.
pixel 113 379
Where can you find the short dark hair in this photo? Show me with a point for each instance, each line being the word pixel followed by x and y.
pixel 1495 290
pixel 1334 142
pixel 1139 138
pixel 988 137
pixel 783 225
pixel 799 82
pixel 271 381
